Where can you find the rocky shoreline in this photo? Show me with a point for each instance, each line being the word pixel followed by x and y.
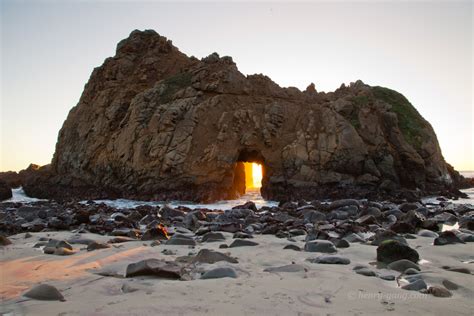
pixel 198 244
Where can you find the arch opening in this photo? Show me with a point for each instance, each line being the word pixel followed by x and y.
pixel 249 172
pixel 253 175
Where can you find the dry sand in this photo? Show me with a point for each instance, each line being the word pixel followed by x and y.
pixel 320 290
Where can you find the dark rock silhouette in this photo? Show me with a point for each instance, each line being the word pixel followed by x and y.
pixel 153 123
pixel 5 191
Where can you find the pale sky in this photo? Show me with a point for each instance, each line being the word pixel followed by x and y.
pixel 423 50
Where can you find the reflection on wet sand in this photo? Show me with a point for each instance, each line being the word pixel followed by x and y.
pixel 19 274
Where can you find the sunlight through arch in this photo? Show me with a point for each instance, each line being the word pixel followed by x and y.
pixel 253 175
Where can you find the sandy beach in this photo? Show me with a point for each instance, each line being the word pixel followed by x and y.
pixel 311 289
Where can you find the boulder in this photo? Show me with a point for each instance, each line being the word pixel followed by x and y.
pixel 330 260
pixel 52 245
pixel 447 238
pixel 324 246
pixel 96 245
pixel 427 233
pixel 218 273
pixel 341 243
pixel 402 265
pixel 292 247
pixel 242 243
pixel 410 271
pixel 155 233
pixel 168 213
pixel 211 256
pixel 439 291
pixel 181 240
pixel 213 236
pixel 366 220
pixel 242 235
pixel 392 250
pixel 120 239
pixel 154 267
pixel 44 292
pixel 415 286
pixel 459 270
pixel 366 272
pixel 450 285
pixel 314 216
pixel 387 277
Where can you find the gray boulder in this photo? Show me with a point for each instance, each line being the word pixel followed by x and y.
pixel 403 265
pixel 213 236
pixel 286 268
pixel 329 260
pixel 415 286
pixel 242 243
pixel 154 267
pixel 324 246
pixel 427 233
pixel 211 256
pixel 392 250
pixel 218 273
pixel 44 292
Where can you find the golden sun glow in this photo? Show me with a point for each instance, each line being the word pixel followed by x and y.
pixel 253 175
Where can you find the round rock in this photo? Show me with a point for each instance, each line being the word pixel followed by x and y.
pixel 324 246
pixel 415 286
pixel 329 260
pixel 439 291
pixel 44 292
pixel 366 272
pixel 218 273
pixel 392 250
pixel 403 265
pixel 427 233
pixel 242 243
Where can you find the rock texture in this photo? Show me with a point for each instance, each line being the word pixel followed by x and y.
pixel 5 191
pixel 14 179
pixel 153 123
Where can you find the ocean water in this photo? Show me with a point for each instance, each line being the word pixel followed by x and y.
pixel 18 195
pixel 252 195
pixel 469 192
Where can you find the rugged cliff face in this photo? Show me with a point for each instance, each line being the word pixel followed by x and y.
pixel 154 123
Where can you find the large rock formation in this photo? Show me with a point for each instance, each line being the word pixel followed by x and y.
pixel 154 123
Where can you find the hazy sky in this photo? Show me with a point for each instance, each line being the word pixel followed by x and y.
pixel 423 50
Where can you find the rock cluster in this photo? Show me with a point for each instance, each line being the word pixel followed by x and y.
pixel 153 123
pixel 338 225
